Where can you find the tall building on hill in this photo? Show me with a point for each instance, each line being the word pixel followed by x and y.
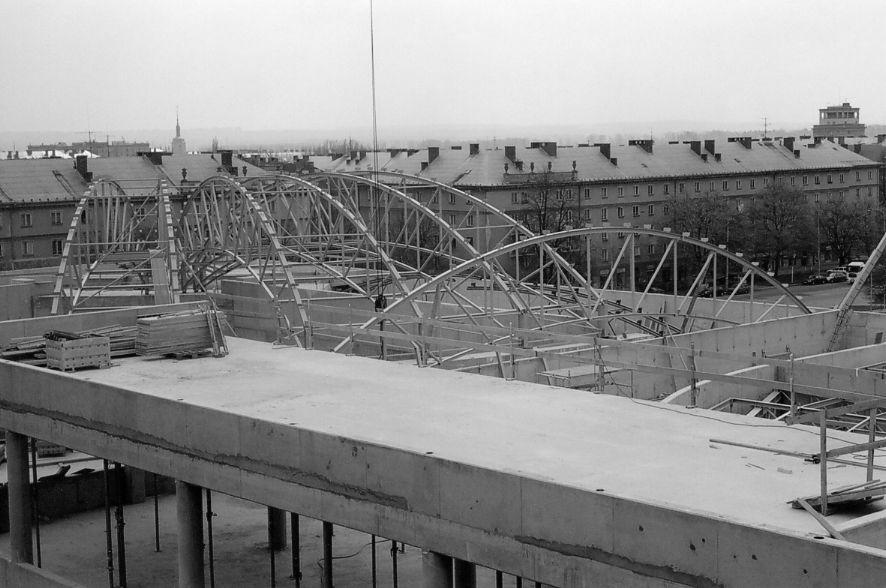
pixel 838 121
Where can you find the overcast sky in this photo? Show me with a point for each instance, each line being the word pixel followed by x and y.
pixel 305 64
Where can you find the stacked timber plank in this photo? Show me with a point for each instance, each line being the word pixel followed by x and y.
pixel 32 350
pixel 180 333
pixel 69 351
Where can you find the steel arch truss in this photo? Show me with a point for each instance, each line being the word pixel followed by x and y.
pixel 117 245
pixel 569 307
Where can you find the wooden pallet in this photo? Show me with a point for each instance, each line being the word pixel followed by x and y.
pixel 181 334
pixel 69 354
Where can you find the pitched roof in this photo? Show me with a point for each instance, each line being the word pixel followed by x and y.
pixel 667 160
pixel 39 180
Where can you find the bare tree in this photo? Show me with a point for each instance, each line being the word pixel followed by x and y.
pixel 842 227
pixel 780 225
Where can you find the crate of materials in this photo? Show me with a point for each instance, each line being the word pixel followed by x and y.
pixel 69 351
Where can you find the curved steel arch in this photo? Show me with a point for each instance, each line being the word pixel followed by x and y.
pixel 457 272
pixel 112 247
pixel 222 228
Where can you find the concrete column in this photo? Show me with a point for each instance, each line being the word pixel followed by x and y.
pixel 465 574
pixel 277 528
pixel 189 510
pixel 436 570
pixel 21 549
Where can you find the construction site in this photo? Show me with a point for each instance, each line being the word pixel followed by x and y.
pixel 334 348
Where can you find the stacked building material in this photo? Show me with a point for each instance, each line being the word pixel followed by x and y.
pixel 32 350
pixel 179 333
pixel 69 351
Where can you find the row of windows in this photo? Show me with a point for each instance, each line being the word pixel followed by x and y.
pixel 27 248
pixel 27 220
pixel 724 185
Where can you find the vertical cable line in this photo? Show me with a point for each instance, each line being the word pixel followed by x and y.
pixel 373 196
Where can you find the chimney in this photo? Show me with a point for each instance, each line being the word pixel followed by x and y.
pixel 227 158
pixel 511 152
pixel 644 144
pixel 474 148
pixel 745 141
pixel 392 153
pixel 550 148
pixel 155 157
pixel 410 152
pixel 797 153
pixel 881 137
pixel 695 146
pixel 709 146
pixel 433 153
pixel 184 174
pixel 424 165
pixel 604 149
pixel 704 157
pixel 857 147
pixel 789 143
pixel 82 167
pixel 613 161
pixel 535 145
pixel 354 155
pixel 245 169
pixel 718 156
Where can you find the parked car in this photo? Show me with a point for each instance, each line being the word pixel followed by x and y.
pixel 837 275
pixel 815 279
pixel 853 269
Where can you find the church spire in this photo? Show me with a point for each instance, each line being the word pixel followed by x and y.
pixel 178 129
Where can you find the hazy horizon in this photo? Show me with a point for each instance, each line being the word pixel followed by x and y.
pixel 462 69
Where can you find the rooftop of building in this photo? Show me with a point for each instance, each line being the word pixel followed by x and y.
pixel 57 179
pixel 641 160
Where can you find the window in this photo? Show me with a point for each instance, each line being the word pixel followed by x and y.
pixel 765 182
pixel 650 190
pixel 636 190
pixel 792 180
pixel 725 185
pixel 754 183
pixel 667 189
pixel 272 206
pixel 621 191
pixel 869 191
pixel 605 237
pixel 621 235
pixel 666 209
pixel 635 210
pixel 56 217
pixel 603 193
pixel 587 214
pixel 450 218
pixel 637 250
pixel 830 179
pixel 27 248
pixel 841 178
pixel 587 192
pixel 514 198
pixel 870 175
pixel 817 180
pixel 83 218
pixel 604 253
pixel 452 199
pixel 738 184
pixel 650 210
pixel 815 197
pixel 858 192
pixel 681 187
pixel 604 214
pixel 621 212
pixel 469 220
pixel 698 186
pixel 26 219
pixel 711 187
pixel 650 249
pixel 805 180
pixel 57 246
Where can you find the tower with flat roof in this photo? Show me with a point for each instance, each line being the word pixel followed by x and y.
pixel 838 121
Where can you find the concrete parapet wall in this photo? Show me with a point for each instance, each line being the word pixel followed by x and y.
pixel 539 529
